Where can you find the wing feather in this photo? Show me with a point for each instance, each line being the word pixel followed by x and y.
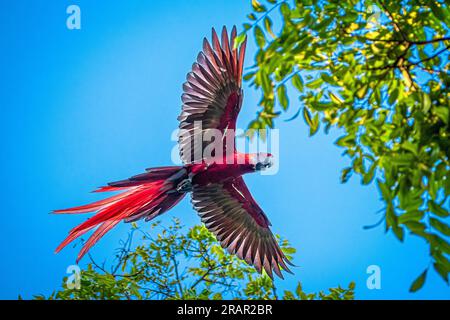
pixel 212 93
pixel 241 227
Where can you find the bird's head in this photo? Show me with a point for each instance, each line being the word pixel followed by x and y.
pixel 261 161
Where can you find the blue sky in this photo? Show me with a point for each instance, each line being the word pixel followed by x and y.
pixel 84 107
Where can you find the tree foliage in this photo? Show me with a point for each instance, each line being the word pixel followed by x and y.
pixel 379 72
pixel 181 264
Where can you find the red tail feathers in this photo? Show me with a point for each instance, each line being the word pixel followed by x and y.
pixel 146 195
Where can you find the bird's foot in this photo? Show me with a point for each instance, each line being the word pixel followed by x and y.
pixel 184 186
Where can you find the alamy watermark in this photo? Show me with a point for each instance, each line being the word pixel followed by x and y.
pixel 228 146
pixel 74 279
pixel 73 21
pixel 374 279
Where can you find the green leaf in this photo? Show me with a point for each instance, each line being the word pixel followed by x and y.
pixel 419 282
pixel 268 26
pixel 335 98
pixel 385 191
pixel 352 286
pixel 416 227
pixel 442 271
pixel 285 10
pixel 361 93
pixel 266 82
pixel 398 232
pixel 249 76
pixel 307 116
pixel 442 113
pixel 440 226
pixel 259 36
pixel 439 242
pixel 239 40
pixel 345 141
pixel 346 174
pixel 313 122
pixel 414 215
pixel 252 17
pixel 368 177
pixel 299 290
pixel 257 6
pixel 315 127
pixel 391 218
pixel 288 295
pixel 413 148
pixel 315 84
pixel 438 210
pixel 282 96
pixel 393 96
pixel 426 102
pixel 297 82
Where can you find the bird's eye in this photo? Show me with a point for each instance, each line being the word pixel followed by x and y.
pixel 263 163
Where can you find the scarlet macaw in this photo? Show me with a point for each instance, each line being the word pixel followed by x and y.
pixel 212 99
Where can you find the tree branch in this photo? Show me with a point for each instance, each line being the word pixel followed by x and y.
pixel 394 23
pixel 418 43
pixel 430 57
pixel 276 5
pixel 177 275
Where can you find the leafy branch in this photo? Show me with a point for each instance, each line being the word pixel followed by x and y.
pixel 163 267
pixel 363 77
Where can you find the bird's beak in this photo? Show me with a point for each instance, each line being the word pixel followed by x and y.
pixel 267 163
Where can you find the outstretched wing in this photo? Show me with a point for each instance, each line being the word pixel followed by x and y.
pixel 212 94
pixel 230 212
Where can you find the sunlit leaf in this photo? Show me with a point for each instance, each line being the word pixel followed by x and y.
pixel 282 96
pixel 257 6
pixel 259 36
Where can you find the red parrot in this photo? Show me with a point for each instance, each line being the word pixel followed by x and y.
pixel 212 100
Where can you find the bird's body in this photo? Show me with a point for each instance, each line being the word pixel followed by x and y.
pixel 213 176
pixel 205 173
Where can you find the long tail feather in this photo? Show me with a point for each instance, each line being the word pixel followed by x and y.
pixel 100 232
pixel 147 195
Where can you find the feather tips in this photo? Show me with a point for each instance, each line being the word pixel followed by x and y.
pixel 145 195
pixel 233 221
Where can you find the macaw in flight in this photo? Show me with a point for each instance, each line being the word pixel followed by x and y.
pixel 212 100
